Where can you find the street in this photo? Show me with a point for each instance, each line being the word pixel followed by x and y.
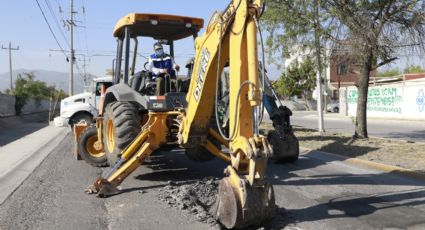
pixel 319 191
pixel 387 128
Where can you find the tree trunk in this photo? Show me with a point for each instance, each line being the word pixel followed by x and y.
pixel 362 89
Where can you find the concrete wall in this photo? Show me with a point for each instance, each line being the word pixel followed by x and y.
pixel 7 105
pixel 399 101
pixel 34 106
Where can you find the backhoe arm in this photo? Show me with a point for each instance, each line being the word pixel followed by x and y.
pixel 231 37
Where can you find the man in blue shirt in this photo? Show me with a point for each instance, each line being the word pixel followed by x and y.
pixel 161 64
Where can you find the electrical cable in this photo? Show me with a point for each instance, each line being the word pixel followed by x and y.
pixel 49 6
pixel 50 28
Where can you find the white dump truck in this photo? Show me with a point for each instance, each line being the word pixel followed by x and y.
pixel 83 106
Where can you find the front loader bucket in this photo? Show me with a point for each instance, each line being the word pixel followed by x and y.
pixel 240 205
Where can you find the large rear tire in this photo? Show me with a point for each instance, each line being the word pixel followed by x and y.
pixel 121 123
pixel 89 150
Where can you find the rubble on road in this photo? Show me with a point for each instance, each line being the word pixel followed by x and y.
pixel 196 197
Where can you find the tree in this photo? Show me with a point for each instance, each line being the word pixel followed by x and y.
pixel 371 32
pixel 414 69
pixel 27 87
pixel 298 26
pixel 374 31
pixel 291 25
pixel 298 79
pixel 389 73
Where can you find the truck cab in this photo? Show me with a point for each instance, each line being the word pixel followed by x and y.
pixel 83 106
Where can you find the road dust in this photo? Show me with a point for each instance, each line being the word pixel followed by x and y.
pixel 196 197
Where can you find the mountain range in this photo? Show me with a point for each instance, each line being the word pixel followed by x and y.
pixel 52 78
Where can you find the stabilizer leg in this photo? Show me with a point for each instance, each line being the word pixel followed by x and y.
pixel 132 157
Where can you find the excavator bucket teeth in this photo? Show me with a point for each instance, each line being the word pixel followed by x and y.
pixel 102 188
pixel 240 205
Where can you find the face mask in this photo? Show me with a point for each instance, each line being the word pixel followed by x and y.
pixel 159 52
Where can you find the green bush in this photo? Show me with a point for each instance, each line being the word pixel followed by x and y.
pixel 27 87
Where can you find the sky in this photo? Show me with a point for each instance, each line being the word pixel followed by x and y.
pixel 23 25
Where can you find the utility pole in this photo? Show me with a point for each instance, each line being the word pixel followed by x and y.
pixel 319 67
pixel 10 61
pixel 71 52
pixel 84 59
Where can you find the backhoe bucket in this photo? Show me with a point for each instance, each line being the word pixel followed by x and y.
pixel 240 205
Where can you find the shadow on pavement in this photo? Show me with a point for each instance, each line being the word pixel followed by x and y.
pixel 385 210
pixel 16 127
pixel 397 209
pixel 174 167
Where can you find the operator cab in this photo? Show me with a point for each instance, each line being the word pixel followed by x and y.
pixel 165 29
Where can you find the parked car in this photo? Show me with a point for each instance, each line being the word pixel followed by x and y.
pixel 333 107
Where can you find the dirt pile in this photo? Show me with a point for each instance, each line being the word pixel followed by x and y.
pixel 196 197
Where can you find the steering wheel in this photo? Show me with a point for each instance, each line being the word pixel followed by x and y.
pixel 145 66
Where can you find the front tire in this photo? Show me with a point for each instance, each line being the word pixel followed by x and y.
pixel 89 150
pixel 121 125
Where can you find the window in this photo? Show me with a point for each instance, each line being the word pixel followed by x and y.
pixel 342 69
pixel 99 87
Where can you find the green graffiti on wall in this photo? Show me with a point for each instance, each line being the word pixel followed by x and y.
pixel 382 99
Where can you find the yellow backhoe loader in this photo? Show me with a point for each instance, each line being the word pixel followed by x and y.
pixel 134 122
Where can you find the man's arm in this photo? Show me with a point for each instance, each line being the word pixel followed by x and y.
pixel 173 63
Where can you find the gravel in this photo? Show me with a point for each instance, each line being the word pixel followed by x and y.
pixel 198 198
pixel 195 197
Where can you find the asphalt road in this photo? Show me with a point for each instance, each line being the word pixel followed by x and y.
pixel 387 128
pixel 317 192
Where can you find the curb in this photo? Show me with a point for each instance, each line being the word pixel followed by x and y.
pixel 18 173
pixel 373 165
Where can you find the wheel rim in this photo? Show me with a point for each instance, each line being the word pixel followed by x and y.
pixel 110 135
pixel 92 148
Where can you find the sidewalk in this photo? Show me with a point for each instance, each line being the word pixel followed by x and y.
pixel 21 157
pixel 329 115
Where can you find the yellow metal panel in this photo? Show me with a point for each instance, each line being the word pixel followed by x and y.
pixel 134 18
pixel 238 103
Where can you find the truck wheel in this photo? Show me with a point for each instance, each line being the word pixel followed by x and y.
pixel 285 150
pixel 79 117
pixel 121 123
pixel 88 148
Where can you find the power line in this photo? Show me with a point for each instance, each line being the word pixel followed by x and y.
pixel 55 19
pixel 50 28
pixel 85 24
